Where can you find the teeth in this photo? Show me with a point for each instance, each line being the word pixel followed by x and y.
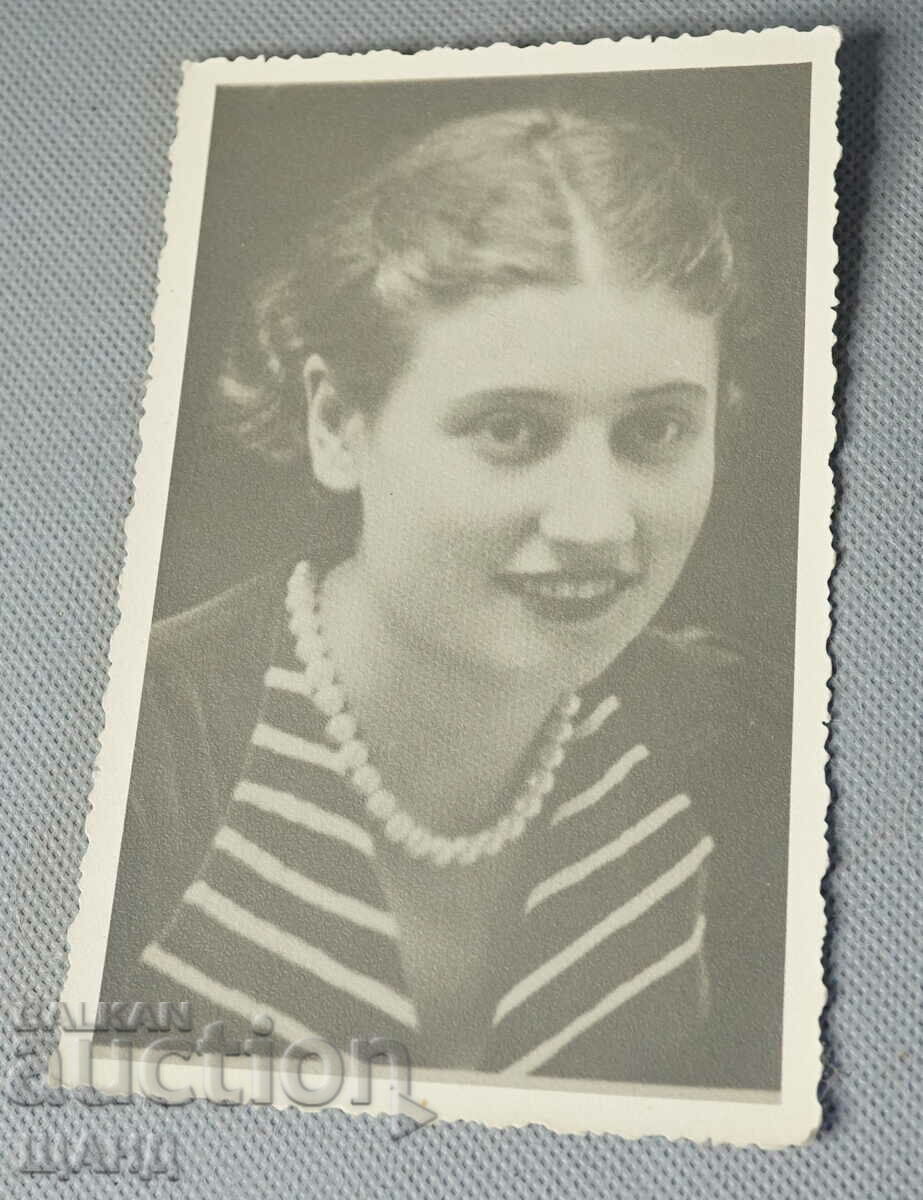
pixel 589 589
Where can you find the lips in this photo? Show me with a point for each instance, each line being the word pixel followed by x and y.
pixel 565 595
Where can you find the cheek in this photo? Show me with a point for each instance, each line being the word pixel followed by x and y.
pixel 418 529
pixel 435 493
pixel 677 509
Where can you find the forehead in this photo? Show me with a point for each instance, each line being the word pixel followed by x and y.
pixel 588 337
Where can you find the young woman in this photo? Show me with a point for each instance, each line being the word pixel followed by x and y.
pixel 444 780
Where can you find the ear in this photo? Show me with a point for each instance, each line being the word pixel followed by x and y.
pixel 334 429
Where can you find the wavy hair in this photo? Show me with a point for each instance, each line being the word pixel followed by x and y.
pixel 480 205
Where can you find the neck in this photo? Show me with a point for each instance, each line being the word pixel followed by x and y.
pixel 449 740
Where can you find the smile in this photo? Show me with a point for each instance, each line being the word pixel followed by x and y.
pixel 564 589
pixel 562 596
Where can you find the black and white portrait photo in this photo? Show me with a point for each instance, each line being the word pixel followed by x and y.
pixel 471 683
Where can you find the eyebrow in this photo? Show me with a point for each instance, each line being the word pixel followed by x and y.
pixel 672 389
pixel 685 388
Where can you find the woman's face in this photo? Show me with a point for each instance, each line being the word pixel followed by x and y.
pixel 533 485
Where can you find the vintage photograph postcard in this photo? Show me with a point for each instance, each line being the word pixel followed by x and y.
pixel 464 748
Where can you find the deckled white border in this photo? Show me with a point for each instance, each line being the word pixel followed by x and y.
pixel 767 1120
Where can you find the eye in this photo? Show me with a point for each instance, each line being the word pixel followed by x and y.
pixel 655 435
pixel 508 434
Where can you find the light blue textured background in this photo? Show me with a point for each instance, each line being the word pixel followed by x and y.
pixel 87 95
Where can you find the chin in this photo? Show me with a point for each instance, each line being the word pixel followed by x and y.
pixel 532 651
pixel 506 639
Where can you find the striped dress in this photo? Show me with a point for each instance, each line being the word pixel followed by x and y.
pixel 261 864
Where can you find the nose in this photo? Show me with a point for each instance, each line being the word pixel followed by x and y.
pixel 588 500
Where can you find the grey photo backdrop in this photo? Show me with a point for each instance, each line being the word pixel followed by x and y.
pixel 281 155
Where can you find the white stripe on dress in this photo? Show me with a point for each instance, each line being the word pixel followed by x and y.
pixel 303 812
pixel 597 718
pixel 290 746
pixel 281 680
pixel 298 953
pixel 276 872
pixel 614 1000
pixel 616 774
pixel 233 1000
pixel 639 904
pixel 626 841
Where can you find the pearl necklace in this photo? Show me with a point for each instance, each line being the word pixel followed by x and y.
pixel 327 694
